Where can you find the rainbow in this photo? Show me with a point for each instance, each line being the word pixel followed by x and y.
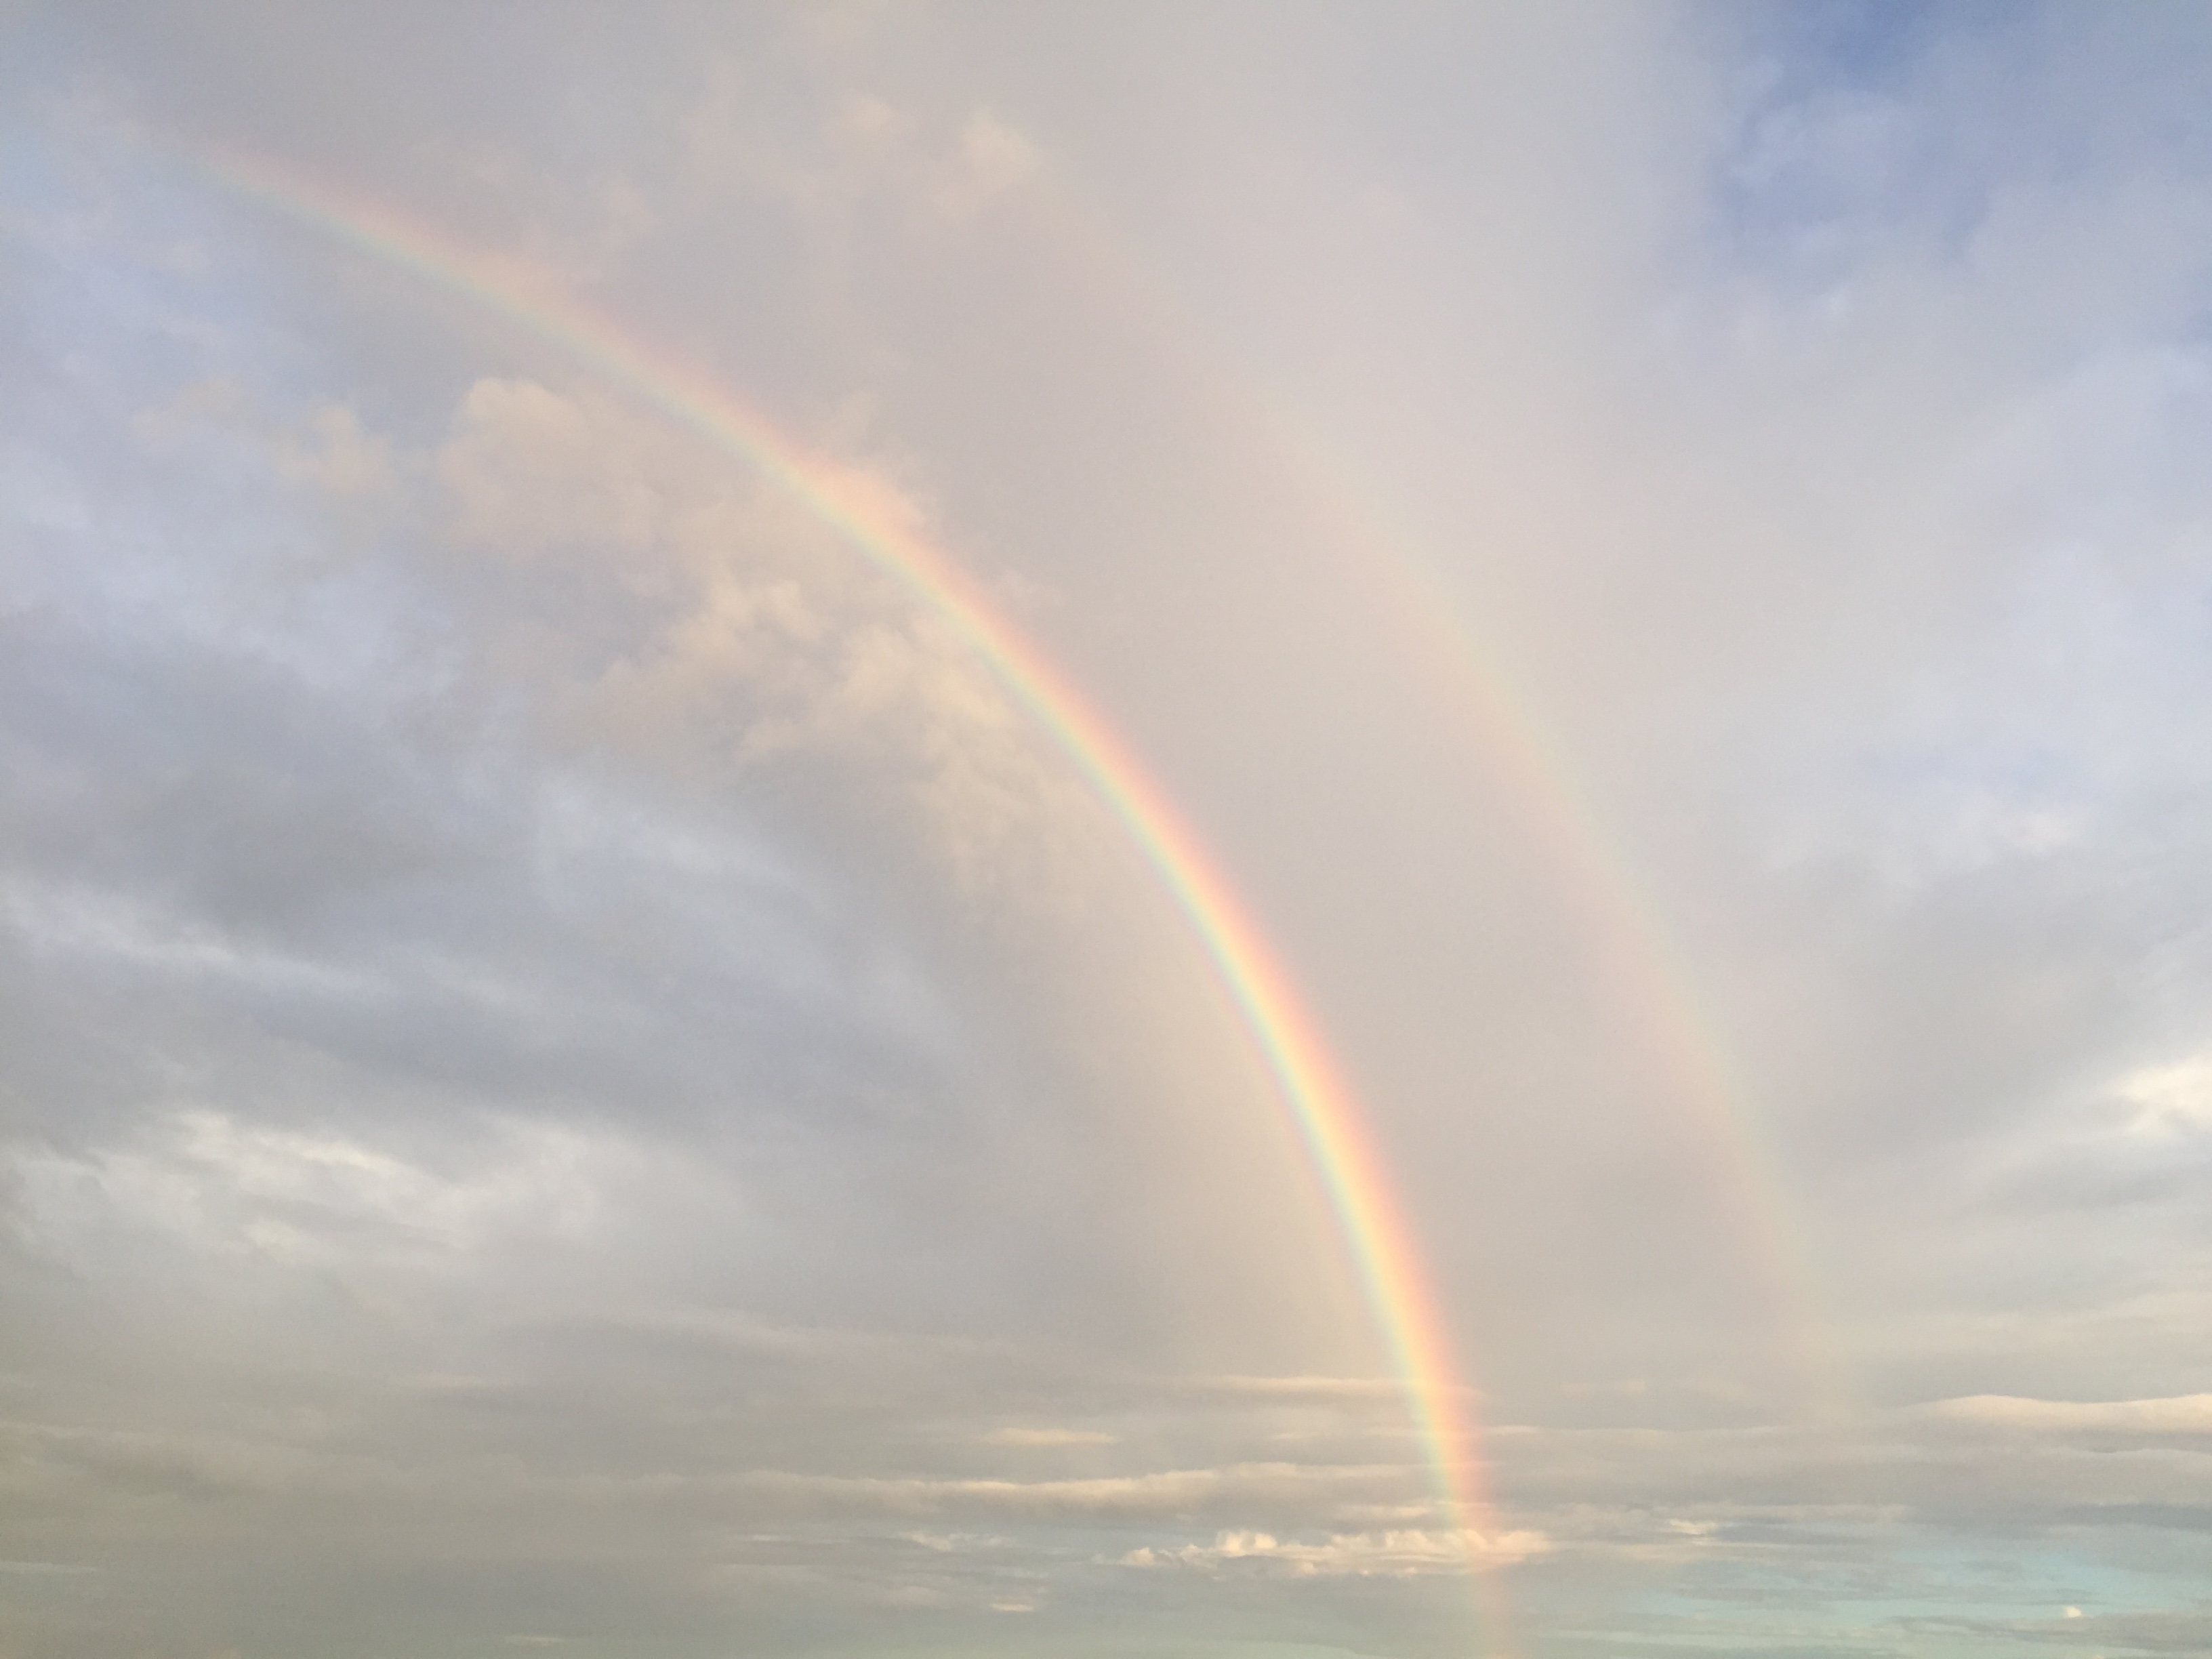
pixel 1640 958
pixel 878 523
pixel 1467 676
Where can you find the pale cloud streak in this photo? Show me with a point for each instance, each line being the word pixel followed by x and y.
pixel 1386 1554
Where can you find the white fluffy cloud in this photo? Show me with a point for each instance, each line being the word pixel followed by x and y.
pixel 1388 1554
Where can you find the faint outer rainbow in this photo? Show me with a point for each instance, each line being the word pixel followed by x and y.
pixel 1598 877
pixel 884 527
pixel 1469 678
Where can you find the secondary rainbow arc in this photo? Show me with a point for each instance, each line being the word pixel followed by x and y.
pixel 883 528
pixel 1471 682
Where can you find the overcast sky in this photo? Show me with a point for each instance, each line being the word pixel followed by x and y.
pixel 579 1075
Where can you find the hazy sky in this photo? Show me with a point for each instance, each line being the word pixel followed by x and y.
pixel 580 1074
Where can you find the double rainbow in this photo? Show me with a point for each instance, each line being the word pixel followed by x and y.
pixel 884 529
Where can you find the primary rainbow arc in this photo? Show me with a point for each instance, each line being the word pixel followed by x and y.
pixel 883 528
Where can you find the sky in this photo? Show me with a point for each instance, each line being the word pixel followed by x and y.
pixel 1252 831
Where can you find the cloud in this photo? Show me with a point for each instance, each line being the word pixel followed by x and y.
pixel 2162 1630
pixel 2180 1414
pixel 190 410
pixel 1167 1492
pixel 1049 1437
pixel 203 1181
pixel 2169 1099
pixel 1321 1390
pixel 676 600
pixel 992 159
pixel 528 470
pixel 340 455
pixel 1385 1554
